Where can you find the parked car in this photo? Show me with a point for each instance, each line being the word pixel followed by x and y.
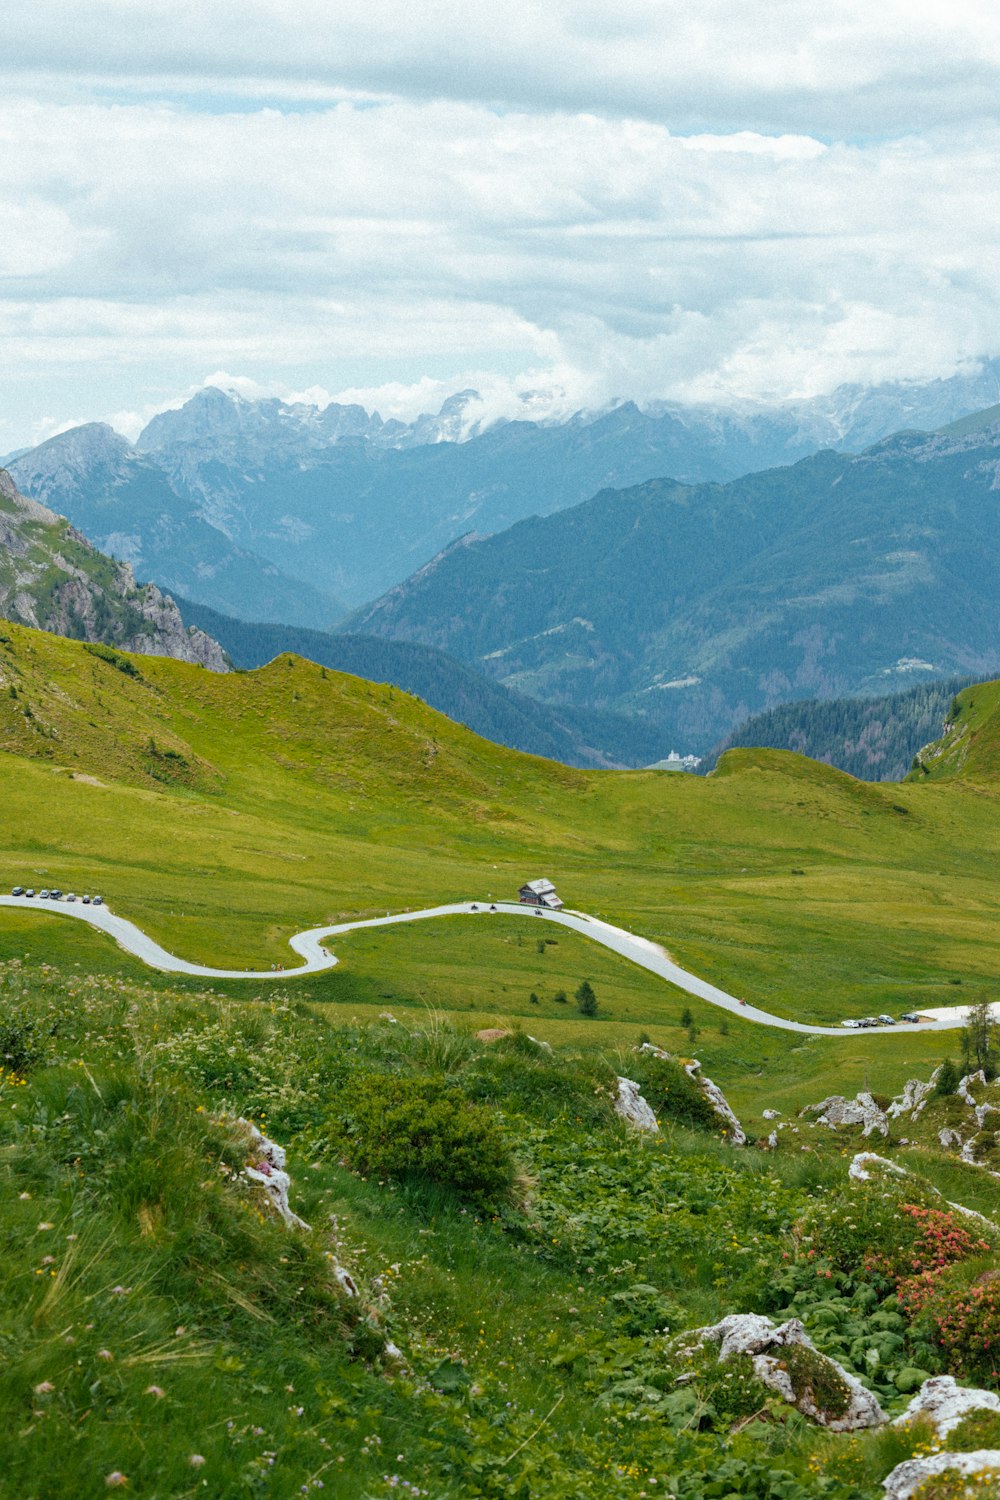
pixel 853 1025
pixel 887 1020
pixel 55 895
pixel 910 1015
pixel 43 895
pixel 71 897
pixel 29 893
pixel 85 900
pixel 18 890
pixel 98 901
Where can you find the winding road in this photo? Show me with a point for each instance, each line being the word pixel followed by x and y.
pixel 311 948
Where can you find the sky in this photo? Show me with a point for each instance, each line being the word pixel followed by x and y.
pixel 559 202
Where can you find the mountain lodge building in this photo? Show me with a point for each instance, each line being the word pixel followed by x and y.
pixel 540 893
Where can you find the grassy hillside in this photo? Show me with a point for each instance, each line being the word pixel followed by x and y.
pixel 578 737
pixel 528 1271
pixel 224 813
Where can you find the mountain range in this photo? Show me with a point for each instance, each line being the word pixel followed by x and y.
pixel 52 578
pixel 288 512
pixel 698 605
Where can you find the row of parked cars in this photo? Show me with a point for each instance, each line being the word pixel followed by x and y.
pixel 19 890
pixel 857 1025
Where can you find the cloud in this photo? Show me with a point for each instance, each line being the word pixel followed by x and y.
pixel 839 68
pixel 513 204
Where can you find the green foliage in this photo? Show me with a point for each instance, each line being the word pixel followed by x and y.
pixel 671 1093
pixel 421 1128
pixel 22 1041
pixel 979 1049
pixel 114 658
pixel 947 1080
pixel 586 999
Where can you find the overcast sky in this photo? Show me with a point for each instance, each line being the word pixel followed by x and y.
pixel 558 201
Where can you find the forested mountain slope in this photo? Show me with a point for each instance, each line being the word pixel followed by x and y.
pixel 873 738
pixel 700 605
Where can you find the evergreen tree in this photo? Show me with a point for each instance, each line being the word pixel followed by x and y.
pixel 687 1019
pixel 586 1000
pixel 947 1079
pixel 978 1047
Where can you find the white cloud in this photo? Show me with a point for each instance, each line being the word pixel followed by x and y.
pixel 564 250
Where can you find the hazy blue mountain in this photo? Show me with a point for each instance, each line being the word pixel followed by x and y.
pixel 577 737
pixel 273 510
pixel 700 605
pixel 354 504
pixel 874 739
pixel 124 503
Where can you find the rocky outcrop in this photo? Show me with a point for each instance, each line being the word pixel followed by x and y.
pixel 866 1163
pixel 632 1107
pixel 266 1168
pixel 785 1359
pixel 836 1111
pixel 733 1130
pixel 945 1404
pixel 51 578
pixel 907 1478
pixel 913 1100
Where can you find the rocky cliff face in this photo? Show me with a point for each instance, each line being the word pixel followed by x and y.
pixel 53 579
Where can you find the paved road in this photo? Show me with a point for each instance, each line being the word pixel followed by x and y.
pixel 311 948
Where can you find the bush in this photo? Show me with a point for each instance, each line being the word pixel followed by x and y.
pixel 947 1080
pixel 424 1128
pixel 672 1094
pixel 21 1044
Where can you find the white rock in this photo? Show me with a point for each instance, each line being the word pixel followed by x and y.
pixel 950 1139
pixel 772 1140
pixel 632 1107
pixel 771 1114
pixel 269 1172
pixel 913 1099
pixel 837 1111
pixel 944 1404
pixel 760 1339
pixel 735 1133
pixel 859 1168
pixel 906 1478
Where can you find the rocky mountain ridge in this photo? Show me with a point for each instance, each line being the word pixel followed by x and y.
pixel 53 579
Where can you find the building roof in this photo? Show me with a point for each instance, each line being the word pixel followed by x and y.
pixel 539 887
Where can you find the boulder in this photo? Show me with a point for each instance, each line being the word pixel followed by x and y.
pixel 836 1111
pixel 907 1478
pixel 785 1359
pixel 771 1114
pixel 945 1404
pixel 632 1107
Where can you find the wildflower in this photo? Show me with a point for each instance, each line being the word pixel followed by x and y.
pixel 104 1354
pixel 116 1480
pixel 44 1388
pixel 196 1460
pixel 154 1390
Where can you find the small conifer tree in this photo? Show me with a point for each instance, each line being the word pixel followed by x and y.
pixel 946 1081
pixel 586 1000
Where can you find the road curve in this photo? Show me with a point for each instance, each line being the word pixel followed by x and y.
pixel 311 948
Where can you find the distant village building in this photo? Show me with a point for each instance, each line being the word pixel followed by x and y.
pixel 675 762
pixel 540 893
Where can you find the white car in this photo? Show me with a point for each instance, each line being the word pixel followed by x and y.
pixel 852 1025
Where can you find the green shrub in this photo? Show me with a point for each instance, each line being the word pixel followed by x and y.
pixel 947 1080
pixel 671 1094
pixel 424 1128
pixel 113 658
pixel 586 1000
pixel 21 1042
